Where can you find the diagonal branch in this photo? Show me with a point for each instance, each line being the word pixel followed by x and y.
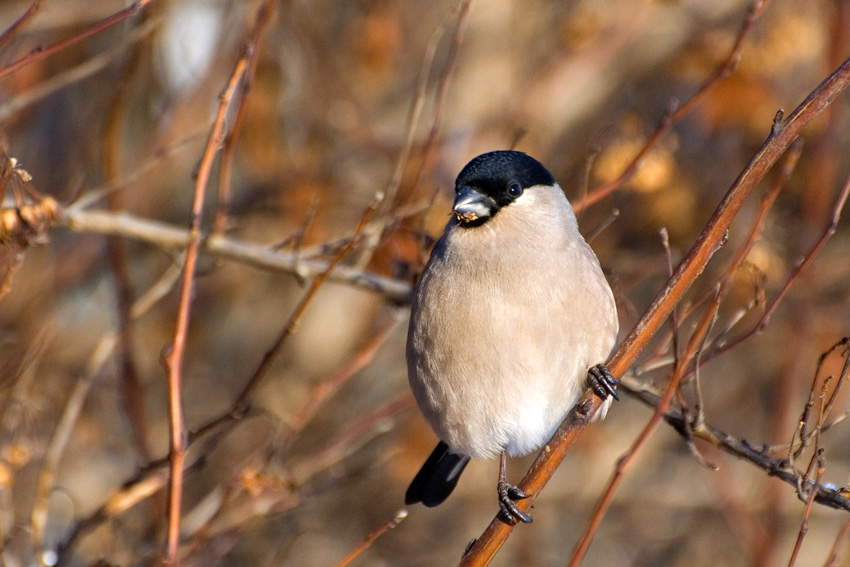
pixel 782 134
pixel 39 54
pixel 673 115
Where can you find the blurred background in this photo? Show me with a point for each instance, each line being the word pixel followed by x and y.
pixel 348 100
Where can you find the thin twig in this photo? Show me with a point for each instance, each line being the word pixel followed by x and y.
pixel 804 523
pixel 154 161
pixel 174 359
pixel 261 22
pixel 348 439
pixel 87 68
pixel 627 459
pixel 370 539
pixel 442 92
pixel 782 135
pixel 74 406
pixel 132 395
pixel 298 314
pixel 835 552
pixel 13 29
pixel 13 420
pixel 12 267
pixel 417 106
pixel 801 432
pixel 674 115
pixel 674 318
pixel 801 267
pixel 845 344
pixel 39 54
pixel 240 404
pixel 757 455
pixel 322 390
pixel 443 89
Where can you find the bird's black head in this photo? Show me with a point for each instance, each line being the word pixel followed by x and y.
pixel 492 181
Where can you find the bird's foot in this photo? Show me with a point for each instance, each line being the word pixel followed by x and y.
pixel 601 382
pixel 508 495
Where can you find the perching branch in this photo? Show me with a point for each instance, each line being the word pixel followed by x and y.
pixel 782 134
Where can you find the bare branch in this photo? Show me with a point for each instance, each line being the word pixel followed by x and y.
pixel 39 54
pixel 370 539
pixel 173 238
pixel 673 115
pixel 10 32
pixel 174 359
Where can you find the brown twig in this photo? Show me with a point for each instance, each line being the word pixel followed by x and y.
pixel 39 54
pixel 825 162
pixel 370 539
pixel 174 359
pixel 48 86
pixel 347 440
pixel 442 90
pixel 801 432
pixel 443 87
pixel 240 405
pixel 132 395
pixel 418 105
pixel 804 523
pixel 386 197
pixel 782 135
pixel 14 413
pixel 835 552
pixel 756 230
pixel 801 267
pixel 624 463
pixel 83 202
pixel 13 29
pixel 74 406
pixel 322 390
pixel 12 268
pixel 298 314
pixel 673 115
pixel 261 22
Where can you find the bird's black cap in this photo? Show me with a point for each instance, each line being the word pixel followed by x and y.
pixel 491 173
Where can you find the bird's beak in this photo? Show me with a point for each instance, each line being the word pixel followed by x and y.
pixel 471 206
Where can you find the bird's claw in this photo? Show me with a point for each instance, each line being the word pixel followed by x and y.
pixel 508 495
pixel 601 382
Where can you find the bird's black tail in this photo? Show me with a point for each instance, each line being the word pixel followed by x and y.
pixel 437 477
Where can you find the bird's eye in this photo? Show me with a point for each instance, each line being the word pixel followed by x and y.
pixel 514 189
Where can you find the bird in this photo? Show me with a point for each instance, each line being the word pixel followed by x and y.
pixel 511 318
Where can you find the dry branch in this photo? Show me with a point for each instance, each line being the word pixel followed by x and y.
pixel 228 152
pixel 674 114
pixel 10 32
pixel 174 359
pixel 740 448
pixel 39 54
pixel 172 238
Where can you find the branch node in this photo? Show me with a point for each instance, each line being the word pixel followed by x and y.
pixel 778 121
